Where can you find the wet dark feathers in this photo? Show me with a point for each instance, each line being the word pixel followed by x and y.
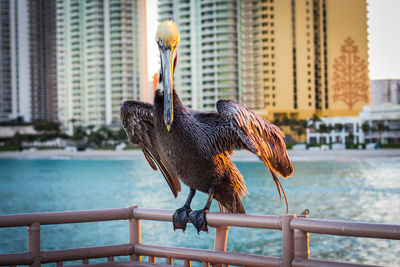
pixel 137 119
pixel 216 134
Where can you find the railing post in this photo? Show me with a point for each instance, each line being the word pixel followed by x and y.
pixel 287 241
pixel 34 243
pixel 134 233
pixel 220 240
pixel 301 243
pixel 221 237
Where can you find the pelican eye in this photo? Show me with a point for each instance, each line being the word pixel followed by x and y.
pixel 162 45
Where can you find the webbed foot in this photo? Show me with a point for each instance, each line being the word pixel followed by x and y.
pixel 180 218
pixel 198 218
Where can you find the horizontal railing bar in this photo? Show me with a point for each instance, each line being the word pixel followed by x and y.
pixel 356 229
pixel 12 220
pixel 215 218
pixel 85 253
pixel 16 258
pixel 212 256
pixel 325 263
pixel 122 264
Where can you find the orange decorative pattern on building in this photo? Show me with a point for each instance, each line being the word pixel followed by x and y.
pixel 350 76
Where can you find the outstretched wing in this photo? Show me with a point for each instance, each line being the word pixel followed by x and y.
pixel 260 137
pixel 137 119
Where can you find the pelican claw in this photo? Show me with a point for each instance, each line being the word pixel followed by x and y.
pixel 198 218
pixel 180 218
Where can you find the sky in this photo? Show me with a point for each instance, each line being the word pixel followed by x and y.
pixel 383 36
pixel 384 39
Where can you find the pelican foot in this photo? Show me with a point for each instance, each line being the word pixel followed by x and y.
pixel 198 218
pixel 180 218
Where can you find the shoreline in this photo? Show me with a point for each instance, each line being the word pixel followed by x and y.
pixel 243 155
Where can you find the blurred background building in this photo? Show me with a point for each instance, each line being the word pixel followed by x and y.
pixel 15 89
pixel 71 61
pixel 281 58
pixel 385 92
pixel 304 57
pixel 76 61
pixel 43 59
pixel 101 59
pixel 208 55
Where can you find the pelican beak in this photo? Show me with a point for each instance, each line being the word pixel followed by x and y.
pixel 168 57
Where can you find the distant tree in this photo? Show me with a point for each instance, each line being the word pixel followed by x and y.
pixel 16 140
pixel 366 127
pixel 96 138
pixel 380 127
pixel 323 128
pixel 285 120
pixel 351 138
pixel 79 133
pixel 20 120
pixel 90 127
pixel 338 127
pixel 300 129
pixel 47 126
pixel 107 133
pixel 120 135
pixel 314 120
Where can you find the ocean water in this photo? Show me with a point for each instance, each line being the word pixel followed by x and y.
pixel 367 191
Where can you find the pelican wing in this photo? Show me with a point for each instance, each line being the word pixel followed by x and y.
pixel 137 119
pixel 260 137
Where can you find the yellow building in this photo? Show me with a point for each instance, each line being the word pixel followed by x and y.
pixel 304 57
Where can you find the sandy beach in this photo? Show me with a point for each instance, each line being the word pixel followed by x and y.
pixel 295 155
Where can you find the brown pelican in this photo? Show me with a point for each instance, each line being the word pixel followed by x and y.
pixel 195 147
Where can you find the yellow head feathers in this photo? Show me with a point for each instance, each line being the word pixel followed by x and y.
pixel 168 33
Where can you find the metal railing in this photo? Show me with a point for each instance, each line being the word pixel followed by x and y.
pixel 295 241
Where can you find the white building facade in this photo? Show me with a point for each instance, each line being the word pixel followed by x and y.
pixel 335 130
pixel 102 59
pixel 208 50
pixel 375 124
pixel 383 123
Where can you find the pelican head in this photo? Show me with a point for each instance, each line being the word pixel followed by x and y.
pixel 167 38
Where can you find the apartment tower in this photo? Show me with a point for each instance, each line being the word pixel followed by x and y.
pixel 102 59
pixel 43 59
pixel 304 57
pixel 207 52
pixel 15 96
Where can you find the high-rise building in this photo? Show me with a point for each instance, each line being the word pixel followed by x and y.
pixel 101 53
pixel 5 61
pixel 28 60
pixel 290 58
pixel 386 91
pixel 304 57
pixel 43 59
pixel 15 97
pixel 208 50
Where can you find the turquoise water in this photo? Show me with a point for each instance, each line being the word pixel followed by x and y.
pixel 366 191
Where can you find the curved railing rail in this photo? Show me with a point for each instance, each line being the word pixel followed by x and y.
pixel 294 229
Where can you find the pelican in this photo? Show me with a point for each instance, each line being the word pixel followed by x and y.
pixel 195 147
